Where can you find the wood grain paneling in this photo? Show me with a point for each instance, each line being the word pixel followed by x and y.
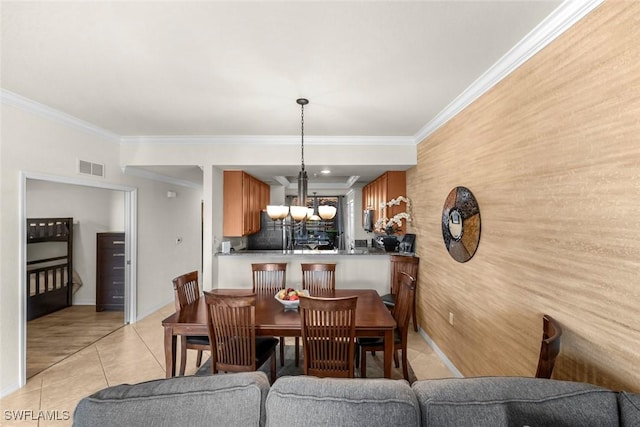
pixel 552 154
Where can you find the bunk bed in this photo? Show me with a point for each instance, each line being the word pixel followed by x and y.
pixel 49 275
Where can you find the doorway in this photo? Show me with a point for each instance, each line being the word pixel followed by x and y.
pixel 101 207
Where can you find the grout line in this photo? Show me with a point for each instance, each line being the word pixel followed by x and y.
pixel 106 380
pixel 40 399
pixel 149 349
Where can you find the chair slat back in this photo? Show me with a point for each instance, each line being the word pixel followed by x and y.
pixel 550 346
pixel 186 289
pixel 402 264
pixel 318 278
pixel 232 332
pixel 404 302
pixel 269 277
pixel 328 333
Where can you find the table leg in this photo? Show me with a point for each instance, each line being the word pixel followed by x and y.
pixel 388 352
pixel 169 352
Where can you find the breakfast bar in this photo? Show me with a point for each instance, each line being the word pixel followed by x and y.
pixel 355 269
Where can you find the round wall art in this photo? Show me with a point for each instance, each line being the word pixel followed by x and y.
pixel 461 224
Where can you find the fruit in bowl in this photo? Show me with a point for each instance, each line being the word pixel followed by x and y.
pixel 290 297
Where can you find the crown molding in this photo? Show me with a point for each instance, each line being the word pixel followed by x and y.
pixel 560 20
pixel 141 173
pixel 352 180
pixel 270 139
pixel 314 185
pixel 13 99
pixel 282 180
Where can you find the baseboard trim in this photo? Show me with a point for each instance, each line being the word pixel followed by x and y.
pixel 448 363
pixel 8 390
pixel 152 310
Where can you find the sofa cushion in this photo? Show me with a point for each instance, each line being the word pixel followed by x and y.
pixel 218 400
pixel 311 401
pixel 511 401
pixel 629 405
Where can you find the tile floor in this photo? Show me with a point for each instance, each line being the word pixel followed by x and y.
pixel 133 353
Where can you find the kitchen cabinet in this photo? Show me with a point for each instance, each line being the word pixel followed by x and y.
pixel 387 186
pixel 244 198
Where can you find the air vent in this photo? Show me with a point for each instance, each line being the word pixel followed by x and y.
pixel 88 168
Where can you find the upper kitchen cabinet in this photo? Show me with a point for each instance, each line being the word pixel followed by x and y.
pixel 387 186
pixel 244 198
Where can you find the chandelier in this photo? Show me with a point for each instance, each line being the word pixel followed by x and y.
pixel 300 214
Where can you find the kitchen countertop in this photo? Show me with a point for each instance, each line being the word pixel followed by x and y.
pixel 311 252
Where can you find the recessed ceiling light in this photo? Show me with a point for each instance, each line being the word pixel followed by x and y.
pixel 325 171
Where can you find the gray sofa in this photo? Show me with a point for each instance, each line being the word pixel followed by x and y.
pixel 246 399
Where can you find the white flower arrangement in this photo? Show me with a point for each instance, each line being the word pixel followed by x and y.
pixel 390 226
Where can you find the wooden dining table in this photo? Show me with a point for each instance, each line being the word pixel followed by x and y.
pixel 373 319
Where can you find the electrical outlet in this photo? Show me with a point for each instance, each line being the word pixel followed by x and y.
pixel 451 318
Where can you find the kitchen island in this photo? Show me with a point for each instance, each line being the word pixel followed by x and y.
pixel 355 269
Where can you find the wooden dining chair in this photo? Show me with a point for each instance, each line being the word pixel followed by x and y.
pixel 318 277
pixel 186 291
pixel 271 278
pixel 401 314
pixel 550 346
pixel 231 322
pixel 328 333
pixel 400 264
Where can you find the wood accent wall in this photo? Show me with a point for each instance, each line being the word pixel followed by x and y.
pixel 552 154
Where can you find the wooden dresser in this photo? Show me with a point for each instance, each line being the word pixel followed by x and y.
pixel 110 264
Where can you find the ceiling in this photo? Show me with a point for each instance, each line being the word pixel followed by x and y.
pixel 222 68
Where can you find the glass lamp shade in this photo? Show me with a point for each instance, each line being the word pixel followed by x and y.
pixel 327 212
pixel 284 211
pixel 273 211
pixel 277 211
pixel 309 213
pixel 298 212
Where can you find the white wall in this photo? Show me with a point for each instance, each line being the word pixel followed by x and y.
pixel 358 231
pixel 37 144
pixel 94 210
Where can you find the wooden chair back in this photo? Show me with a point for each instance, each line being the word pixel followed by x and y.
pixel 318 278
pixel 404 303
pixel 232 333
pixel 550 347
pixel 401 314
pixel 186 289
pixel 328 333
pixel 269 277
pixel 402 264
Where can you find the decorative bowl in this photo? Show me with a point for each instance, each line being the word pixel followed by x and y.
pixel 291 304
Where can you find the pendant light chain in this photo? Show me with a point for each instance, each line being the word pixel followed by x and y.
pixel 302 176
pixel 302 132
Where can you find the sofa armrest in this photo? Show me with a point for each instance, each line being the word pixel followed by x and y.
pixel 311 401
pixel 218 400
pixel 629 405
pixel 509 401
